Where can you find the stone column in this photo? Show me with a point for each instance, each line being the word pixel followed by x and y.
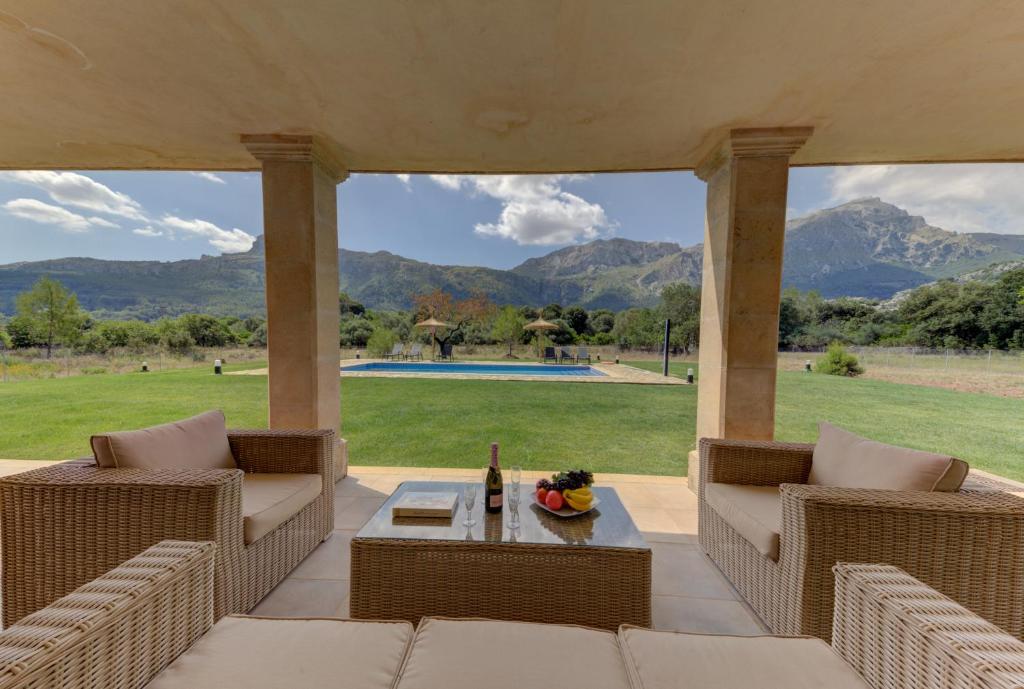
pixel 747 177
pixel 300 228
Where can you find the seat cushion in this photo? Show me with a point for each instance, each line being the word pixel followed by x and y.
pixel 669 660
pixel 470 654
pixel 261 653
pixel 200 442
pixel 849 461
pixel 269 500
pixel 755 512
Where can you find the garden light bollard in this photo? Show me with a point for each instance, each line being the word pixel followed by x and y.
pixel 145 367
pixel 217 367
pixel 689 376
pixel 807 365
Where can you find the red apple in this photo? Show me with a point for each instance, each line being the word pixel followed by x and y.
pixel 541 494
pixel 554 500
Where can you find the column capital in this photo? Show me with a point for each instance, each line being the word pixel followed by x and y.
pixel 754 142
pixel 302 148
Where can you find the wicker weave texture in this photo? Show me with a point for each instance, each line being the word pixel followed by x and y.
pixel 968 545
pixel 407 580
pixel 118 631
pixel 897 632
pixel 63 525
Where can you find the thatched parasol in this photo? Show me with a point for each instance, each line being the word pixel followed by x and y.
pixel 433 324
pixel 539 326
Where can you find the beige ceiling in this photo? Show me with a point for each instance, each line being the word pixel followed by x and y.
pixel 506 85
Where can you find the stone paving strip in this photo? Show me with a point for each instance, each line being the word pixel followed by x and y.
pixel 614 373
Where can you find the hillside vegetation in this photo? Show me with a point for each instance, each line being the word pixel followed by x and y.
pixel 865 248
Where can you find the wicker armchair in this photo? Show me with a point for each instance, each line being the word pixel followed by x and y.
pixel 968 545
pixel 66 524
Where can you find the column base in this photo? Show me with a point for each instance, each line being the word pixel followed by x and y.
pixel 693 470
pixel 340 460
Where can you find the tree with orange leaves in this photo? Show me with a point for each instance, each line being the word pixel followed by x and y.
pixel 458 313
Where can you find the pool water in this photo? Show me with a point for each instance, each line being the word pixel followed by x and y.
pixel 476 369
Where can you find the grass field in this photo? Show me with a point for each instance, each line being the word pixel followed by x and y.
pixel 542 425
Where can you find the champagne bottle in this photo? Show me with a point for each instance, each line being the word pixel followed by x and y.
pixel 493 494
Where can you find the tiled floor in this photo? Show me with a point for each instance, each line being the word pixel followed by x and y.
pixel 689 592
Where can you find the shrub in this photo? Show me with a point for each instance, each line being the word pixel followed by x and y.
pixel 381 342
pixel 838 362
pixel 93 370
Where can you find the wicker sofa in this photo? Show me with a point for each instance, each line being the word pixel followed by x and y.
pixel 150 623
pixel 64 525
pixel 968 544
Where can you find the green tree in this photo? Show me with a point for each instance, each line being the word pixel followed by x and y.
pixel 348 306
pixel 380 342
pixel 51 312
pixel 640 328
pixel 508 327
pixel 207 331
pixel 5 339
pixel 602 321
pixel 551 312
pixel 174 336
pixel 680 303
pixel 577 318
pixel 355 332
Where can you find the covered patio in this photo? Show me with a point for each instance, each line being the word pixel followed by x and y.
pixel 737 92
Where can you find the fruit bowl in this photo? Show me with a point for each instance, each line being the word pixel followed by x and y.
pixel 566 512
pixel 566 494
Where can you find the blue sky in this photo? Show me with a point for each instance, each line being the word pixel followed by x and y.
pixel 495 221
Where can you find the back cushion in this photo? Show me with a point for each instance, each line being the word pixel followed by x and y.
pixel 200 442
pixel 849 461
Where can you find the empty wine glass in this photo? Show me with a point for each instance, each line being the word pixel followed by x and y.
pixel 513 497
pixel 468 500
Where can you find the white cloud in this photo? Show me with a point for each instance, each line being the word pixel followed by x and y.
pixel 73 189
pixel 404 179
pixel 38 211
pixel 978 197
pixel 535 209
pixel 147 232
pixel 210 177
pixel 452 182
pixel 228 241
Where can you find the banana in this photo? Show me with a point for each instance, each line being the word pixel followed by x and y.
pixel 578 499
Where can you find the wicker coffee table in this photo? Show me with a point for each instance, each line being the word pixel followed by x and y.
pixel 592 570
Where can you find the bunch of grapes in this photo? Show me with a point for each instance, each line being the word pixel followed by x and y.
pixel 573 479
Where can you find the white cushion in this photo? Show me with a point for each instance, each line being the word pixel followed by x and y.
pixel 670 660
pixel 261 653
pixel 269 500
pixel 755 512
pixel 199 442
pixel 849 461
pixel 471 654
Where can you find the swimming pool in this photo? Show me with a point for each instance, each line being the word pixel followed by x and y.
pixel 475 369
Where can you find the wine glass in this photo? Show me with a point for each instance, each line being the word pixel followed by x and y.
pixel 513 497
pixel 468 500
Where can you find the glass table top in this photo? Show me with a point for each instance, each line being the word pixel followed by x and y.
pixel 606 526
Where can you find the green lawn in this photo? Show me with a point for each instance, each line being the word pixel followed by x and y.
pixel 984 430
pixel 615 428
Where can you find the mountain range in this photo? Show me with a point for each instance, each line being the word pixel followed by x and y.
pixel 864 248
